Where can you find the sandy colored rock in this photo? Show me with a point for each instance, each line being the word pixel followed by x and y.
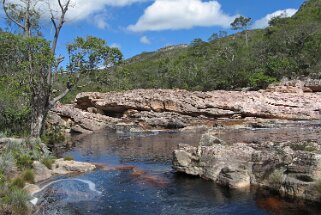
pixel 176 109
pixel 292 169
pixel 31 188
pixel 62 167
pixel 41 171
pixel 211 104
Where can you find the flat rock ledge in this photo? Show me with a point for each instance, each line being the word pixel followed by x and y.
pixel 172 109
pixel 60 167
pixel 294 170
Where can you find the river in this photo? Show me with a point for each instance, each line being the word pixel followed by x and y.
pixel 135 178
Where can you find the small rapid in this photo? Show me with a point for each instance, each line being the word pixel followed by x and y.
pixel 91 186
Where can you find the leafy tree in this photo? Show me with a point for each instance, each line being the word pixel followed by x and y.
pixel 37 56
pixel 213 37
pixel 242 23
pixel 92 53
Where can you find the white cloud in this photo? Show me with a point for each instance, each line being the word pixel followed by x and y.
pixel 181 14
pixel 145 40
pixel 83 9
pixel 99 21
pixel 115 45
pixel 264 22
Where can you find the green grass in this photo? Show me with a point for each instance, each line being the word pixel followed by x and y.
pixel 28 176
pixel 276 179
pixel 48 162
pixel 305 146
pixel 18 182
pixel 68 158
pixel 16 200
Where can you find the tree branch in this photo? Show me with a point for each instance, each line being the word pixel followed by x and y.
pixel 9 17
pixel 53 102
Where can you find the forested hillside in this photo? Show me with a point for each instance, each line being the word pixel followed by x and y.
pixel 290 47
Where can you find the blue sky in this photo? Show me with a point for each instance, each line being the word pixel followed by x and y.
pixel 146 25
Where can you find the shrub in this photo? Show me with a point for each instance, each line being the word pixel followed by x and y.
pixel 18 182
pixel 28 176
pixel 53 137
pixel 276 179
pixel 318 186
pixel 305 146
pixel 47 161
pixel 16 200
pixel 24 161
pixel 68 158
pixel 7 162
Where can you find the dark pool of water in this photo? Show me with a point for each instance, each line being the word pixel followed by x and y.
pixel 136 178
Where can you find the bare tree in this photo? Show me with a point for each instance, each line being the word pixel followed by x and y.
pixel 25 16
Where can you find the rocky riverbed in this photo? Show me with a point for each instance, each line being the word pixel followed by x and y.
pixel 265 138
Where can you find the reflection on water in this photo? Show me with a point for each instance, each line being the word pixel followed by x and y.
pixel 135 177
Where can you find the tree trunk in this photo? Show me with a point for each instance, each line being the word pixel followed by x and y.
pixel 40 108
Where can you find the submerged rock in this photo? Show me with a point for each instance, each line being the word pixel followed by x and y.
pixel 291 169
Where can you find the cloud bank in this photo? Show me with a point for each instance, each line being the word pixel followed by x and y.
pixel 79 10
pixel 264 22
pixel 181 14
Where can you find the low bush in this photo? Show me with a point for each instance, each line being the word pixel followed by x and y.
pixel 24 161
pixel 53 137
pixel 16 200
pixel 318 186
pixel 28 176
pixel 18 182
pixel 48 162
pixel 276 179
pixel 7 163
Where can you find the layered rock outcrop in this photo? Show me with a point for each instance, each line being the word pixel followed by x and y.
pixel 180 108
pixel 293 169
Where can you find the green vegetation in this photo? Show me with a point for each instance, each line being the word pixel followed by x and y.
pixel 16 159
pixel 276 179
pixel 48 162
pixel 290 48
pixel 68 158
pixel 306 146
pixel 18 182
pixel 318 186
pixel 15 202
pixel 28 176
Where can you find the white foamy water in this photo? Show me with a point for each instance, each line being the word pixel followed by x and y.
pixel 91 186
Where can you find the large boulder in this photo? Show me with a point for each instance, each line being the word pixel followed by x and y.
pixel 292 169
pixel 41 171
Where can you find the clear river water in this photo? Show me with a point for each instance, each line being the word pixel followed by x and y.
pixel 135 177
